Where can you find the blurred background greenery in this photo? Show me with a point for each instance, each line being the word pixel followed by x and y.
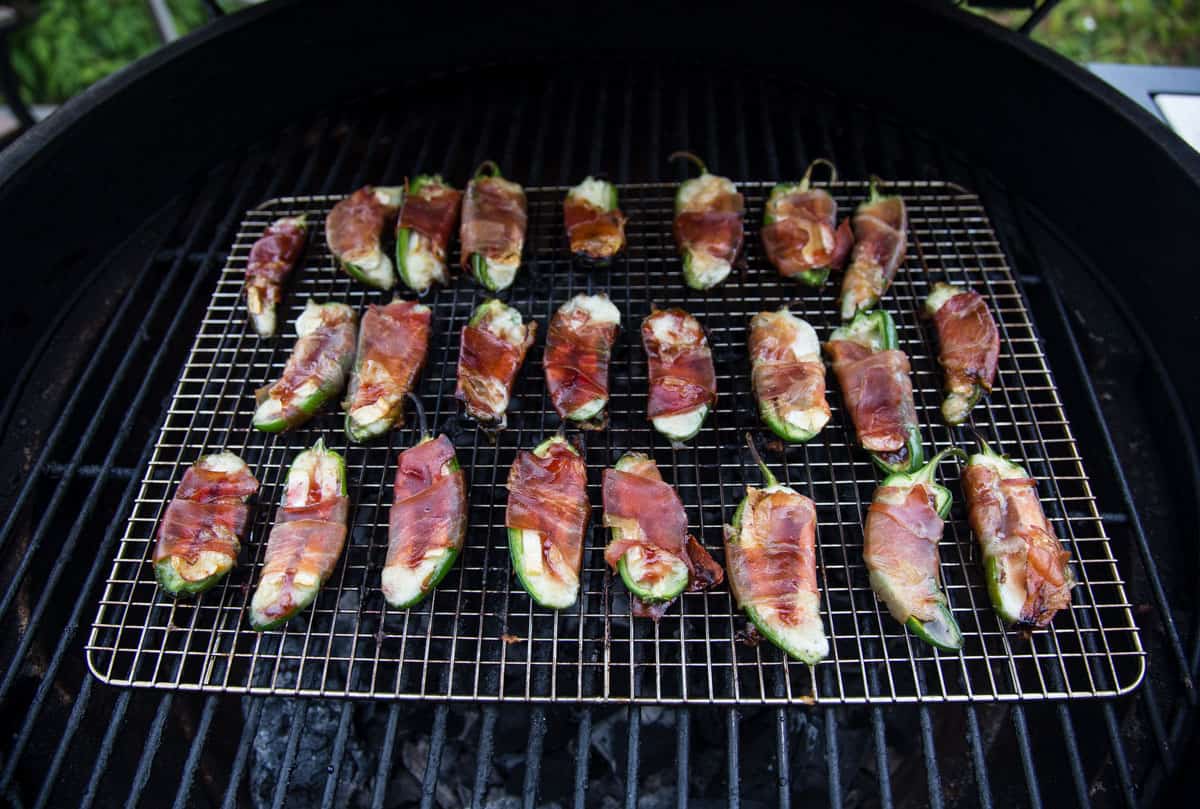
pixel 72 43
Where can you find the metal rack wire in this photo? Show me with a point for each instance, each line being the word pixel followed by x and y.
pixel 480 637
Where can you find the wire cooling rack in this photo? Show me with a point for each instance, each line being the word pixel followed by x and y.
pixel 480 637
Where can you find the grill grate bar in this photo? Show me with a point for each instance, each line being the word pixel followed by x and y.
pixel 1078 779
pixel 732 761
pixel 386 755
pixel 882 769
pixel 299 712
pixel 533 757
pixel 149 751
pixel 194 750
pixel 1026 749
pixel 115 722
pixel 339 751
pixel 632 756
pixel 483 758
pixel 683 752
pixel 983 786
pixel 583 743
pixel 433 762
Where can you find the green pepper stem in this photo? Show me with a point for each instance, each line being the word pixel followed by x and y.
pixel 690 157
pixel 320 445
pixel 984 447
pixel 770 479
pixel 926 472
pixel 876 181
pixel 820 161
pixel 489 165
pixel 422 425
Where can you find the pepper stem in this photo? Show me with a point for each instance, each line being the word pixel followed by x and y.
pixel 770 479
pixel 491 167
pixel 926 472
pixel 820 161
pixel 422 425
pixel 876 181
pixel 984 447
pixel 689 157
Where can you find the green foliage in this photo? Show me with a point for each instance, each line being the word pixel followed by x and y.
pixel 74 43
pixel 1160 32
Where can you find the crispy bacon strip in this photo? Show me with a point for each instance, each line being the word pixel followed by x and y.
pixel 493 221
pixel 772 566
pixel 802 235
pixel 1007 517
pixel 549 495
pixel 392 344
pixel 969 343
pixel 682 376
pixel 901 538
pixel 431 211
pixel 353 227
pixel 578 348
pixel 208 514
pixel 878 394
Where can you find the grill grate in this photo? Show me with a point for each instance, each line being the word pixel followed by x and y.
pixel 479 637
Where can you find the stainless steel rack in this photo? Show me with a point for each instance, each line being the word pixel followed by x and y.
pixel 480 638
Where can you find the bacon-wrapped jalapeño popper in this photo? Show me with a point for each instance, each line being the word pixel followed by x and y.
pixel 493 346
pixel 788 375
pixel 770 551
pixel 202 529
pixel 546 518
pixel 428 521
pixel 874 377
pixel 651 548
pixel 354 233
pixel 392 343
pixel 900 547
pixel 272 259
pixel 800 232
pixel 595 225
pixel 423 230
pixel 880 239
pixel 493 228
pixel 683 382
pixel 1027 569
pixel 969 347
pixel 316 370
pixel 306 540
pixel 578 347
pixel 708 226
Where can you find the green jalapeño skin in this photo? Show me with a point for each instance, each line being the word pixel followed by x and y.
pixel 354 232
pixel 900 537
pixel 493 228
pixel 770 557
pixel 708 226
pixel 873 374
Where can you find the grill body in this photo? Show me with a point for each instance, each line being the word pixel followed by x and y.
pixel 127 275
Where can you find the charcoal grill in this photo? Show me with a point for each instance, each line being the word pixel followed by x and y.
pixel 84 431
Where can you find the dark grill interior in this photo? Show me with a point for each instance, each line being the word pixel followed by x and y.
pixel 116 356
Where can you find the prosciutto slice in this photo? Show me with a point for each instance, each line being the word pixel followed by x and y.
pixel 969 342
pixel 487 367
pixel 208 514
pixel 355 224
pixel 1007 517
pixel 493 221
pixel 682 376
pixel 549 495
pixel 275 253
pixel 878 393
pixel 772 567
pixel 592 232
pixel 431 212
pixel 392 344
pixel 802 235
pixel 302 551
pixel 901 538
pixel 880 241
pixel 784 379
pixel 578 348
pixel 318 363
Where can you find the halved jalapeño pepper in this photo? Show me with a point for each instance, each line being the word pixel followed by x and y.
pixel 392 343
pixel 900 538
pixel 683 381
pixel 493 228
pixel 423 230
pixel 316 370
pixel 307 539
pixel 788 375
pixel 546 518
pixel 800 232
pixel 708 226
pixel 880 240
pixel 202 529
pixel 595 225
pixel 578 347
pixel 969 347
pixel 1027 569
pixel 493 347
pixel 354 232
pixel 651 548
pixel 428 521
pixel 770 551
pixel 874 377
pixel 272 259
